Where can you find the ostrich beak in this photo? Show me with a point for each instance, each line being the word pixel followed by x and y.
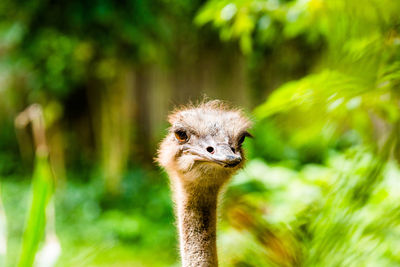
pixel 221 154
pixel 224 156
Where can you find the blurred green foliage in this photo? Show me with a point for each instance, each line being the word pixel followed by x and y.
pixel 322 182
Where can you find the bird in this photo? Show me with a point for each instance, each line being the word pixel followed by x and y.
pixel 200 153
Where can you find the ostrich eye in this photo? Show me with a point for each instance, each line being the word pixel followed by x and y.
pixel 242 137
pixel 181 136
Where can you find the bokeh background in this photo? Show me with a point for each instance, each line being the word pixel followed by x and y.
pixel 320 79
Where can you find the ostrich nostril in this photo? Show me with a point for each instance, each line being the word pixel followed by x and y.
pixel 210 149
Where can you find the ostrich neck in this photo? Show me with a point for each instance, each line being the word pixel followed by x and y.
pixel 197 212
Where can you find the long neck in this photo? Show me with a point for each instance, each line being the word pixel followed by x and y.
pixel 196 210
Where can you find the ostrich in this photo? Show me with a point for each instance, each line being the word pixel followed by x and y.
pixel 201 152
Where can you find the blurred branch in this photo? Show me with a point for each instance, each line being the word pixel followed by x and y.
pixel 34 115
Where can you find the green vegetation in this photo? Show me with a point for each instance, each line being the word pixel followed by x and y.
pixel 320 78
pixel 42 184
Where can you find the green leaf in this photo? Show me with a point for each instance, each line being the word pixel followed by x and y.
pixel 42 189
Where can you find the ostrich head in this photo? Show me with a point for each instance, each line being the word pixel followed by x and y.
pixel 204 144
